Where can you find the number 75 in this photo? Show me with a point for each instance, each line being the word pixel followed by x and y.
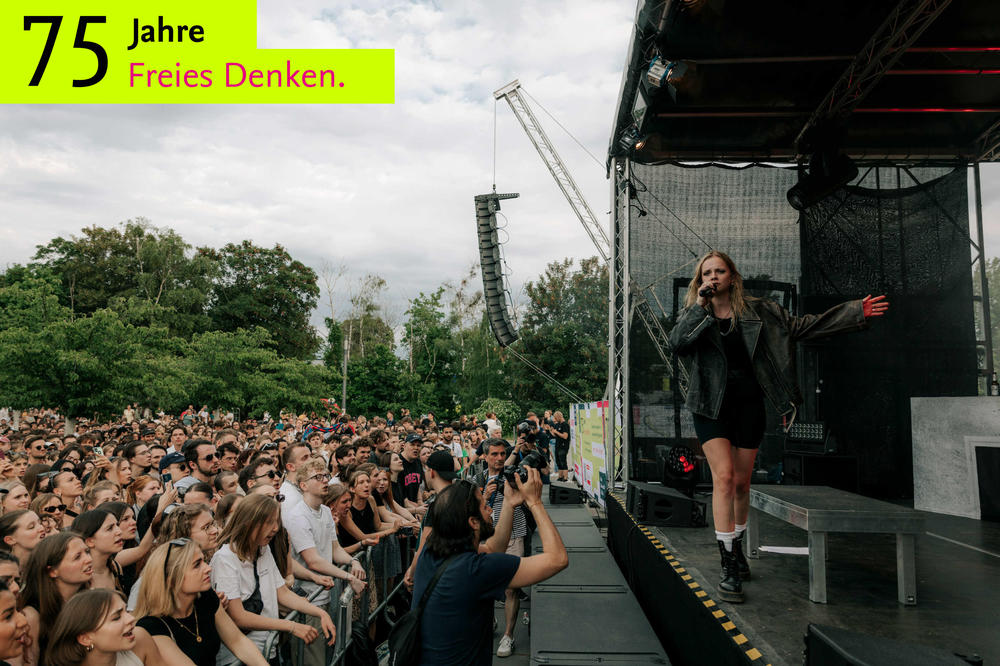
pixel 78 43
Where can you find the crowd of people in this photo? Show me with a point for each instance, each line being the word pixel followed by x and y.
pixel 189 539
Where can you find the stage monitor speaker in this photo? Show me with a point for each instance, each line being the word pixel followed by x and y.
pixel 832 646
pixel 653 504
pixel 491 262
pixel 804 469
pixel 561 492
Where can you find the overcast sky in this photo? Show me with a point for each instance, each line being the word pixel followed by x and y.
pixel 383 189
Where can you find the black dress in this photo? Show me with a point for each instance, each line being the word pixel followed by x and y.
pixel 184 631
pixel 741 416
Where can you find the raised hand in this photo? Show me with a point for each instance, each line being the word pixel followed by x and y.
pixel 874 307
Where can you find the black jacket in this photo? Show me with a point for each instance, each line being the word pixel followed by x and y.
pixel 769 333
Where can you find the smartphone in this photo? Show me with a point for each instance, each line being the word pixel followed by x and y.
pixel 165 478
pixel 99 451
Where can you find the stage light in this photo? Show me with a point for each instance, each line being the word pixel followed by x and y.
pixel 679 469
pixel 828 171
pixel 660 69
pixel 631 140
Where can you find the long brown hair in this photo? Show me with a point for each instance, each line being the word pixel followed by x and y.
pixel 247 518
pixel 84 612
pixel 737 299
pixel 40 590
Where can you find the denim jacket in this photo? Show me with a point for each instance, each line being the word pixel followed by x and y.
pixel 769 333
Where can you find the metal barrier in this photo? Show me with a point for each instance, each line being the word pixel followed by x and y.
pixel 341 601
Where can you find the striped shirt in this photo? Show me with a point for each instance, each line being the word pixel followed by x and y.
pixel 520 528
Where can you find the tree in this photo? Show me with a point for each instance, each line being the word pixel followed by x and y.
pixel 375 382
pixel 267 288
pixel 242 370
pixel 133 260
pixel 427 337
pixel 565 331
pixel 89 365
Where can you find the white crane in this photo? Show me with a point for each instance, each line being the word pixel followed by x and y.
pixel 512 94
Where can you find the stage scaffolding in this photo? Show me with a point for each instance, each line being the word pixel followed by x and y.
pixel 676 214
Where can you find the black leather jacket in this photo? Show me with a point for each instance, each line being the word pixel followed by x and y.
pixel 770 334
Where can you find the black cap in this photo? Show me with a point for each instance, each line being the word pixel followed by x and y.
pixel 443 463
pixel 414 438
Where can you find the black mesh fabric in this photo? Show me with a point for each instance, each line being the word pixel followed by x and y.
pixel 907 238
pixel 911 243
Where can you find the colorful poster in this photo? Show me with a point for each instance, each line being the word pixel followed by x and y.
pixel 589 461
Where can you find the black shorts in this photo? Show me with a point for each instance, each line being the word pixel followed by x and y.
pixel 741 421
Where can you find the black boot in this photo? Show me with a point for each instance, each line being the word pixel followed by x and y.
pixel 741 559
pixel 730 587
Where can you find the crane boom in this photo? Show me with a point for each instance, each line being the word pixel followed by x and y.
pixel 512 93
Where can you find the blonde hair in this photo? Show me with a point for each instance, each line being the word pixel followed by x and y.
pixel 310 468
pixel 737 299
pixel 244 523
pixel 158 594
pixel 91 491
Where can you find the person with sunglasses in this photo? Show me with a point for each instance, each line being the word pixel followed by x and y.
pixel 202 462
pixel 260 470
pixel 48 504
pixel 245 571
pixel 179 609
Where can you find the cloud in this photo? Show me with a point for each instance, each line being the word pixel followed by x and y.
pixel 384 189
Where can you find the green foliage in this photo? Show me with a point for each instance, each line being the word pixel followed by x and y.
pixel 333 346
pixel 375 381
pixel 132 260
pixel 565 331
pixel 507 411
pixel 429 340
pixel 265 287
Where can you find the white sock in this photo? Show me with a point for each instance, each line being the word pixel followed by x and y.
pixel 726 538
pixel 740 529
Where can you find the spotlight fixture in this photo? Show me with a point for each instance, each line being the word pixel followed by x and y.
pixel 660 69
pixel 631 140
pixel 828 171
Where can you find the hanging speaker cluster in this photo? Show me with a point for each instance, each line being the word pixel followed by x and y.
pixel 497 307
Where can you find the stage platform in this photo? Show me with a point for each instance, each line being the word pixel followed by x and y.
pixel 674 571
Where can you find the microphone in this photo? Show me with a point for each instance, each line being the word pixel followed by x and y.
pixel 707 291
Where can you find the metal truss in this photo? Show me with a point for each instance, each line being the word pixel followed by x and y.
pixel 988 144
pixel 619 419
pixel 512 93
pixel 897 33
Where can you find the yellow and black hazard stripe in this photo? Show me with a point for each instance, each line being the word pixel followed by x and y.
pixel 737 636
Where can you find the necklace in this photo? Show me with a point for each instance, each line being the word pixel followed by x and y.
pixel 732 326
pixel 196 633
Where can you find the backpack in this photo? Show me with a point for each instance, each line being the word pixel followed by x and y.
pixel 404 639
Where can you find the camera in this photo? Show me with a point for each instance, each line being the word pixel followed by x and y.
pixel 528 430
pixel 533 459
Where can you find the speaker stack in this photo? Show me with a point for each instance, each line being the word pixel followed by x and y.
pixel 497 307
pixel 562 492
pixel 657 505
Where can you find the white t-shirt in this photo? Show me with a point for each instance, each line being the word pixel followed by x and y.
pixel 311 529
pixel 293 497
pixel 234 578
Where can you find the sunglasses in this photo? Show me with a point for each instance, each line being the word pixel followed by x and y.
pixel 271 475
pixel 210 456
pixel 166 560
pixel 59 508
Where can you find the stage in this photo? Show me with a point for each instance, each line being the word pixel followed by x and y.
pixel 673 571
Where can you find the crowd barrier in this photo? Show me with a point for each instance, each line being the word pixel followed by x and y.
pixel 340 606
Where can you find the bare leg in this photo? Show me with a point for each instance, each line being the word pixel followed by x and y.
pixel 511 605
pixel 742 471
pixel 719 453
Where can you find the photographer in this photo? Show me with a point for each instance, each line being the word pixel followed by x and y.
pixel 456 620
pixel 528 441
pixel 492 482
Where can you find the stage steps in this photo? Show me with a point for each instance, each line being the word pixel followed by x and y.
pixel 587 614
